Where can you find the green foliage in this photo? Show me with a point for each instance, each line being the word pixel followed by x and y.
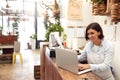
pixel 1 27
pixel 53 28
pixel 33 36
pixel 100 2
pixel 64 37
pixel 16 22
pixel 97 1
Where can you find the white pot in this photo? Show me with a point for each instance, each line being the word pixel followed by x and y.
pixel 33 44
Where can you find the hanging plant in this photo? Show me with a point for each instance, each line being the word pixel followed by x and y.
pixel 15 25
pixel 98 1
pixel 99 7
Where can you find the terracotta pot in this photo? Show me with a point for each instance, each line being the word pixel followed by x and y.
pixel 114 20
pixel 114 16
pixel 96 11
pixel 114 12
pixel 115 6
pixel 102 6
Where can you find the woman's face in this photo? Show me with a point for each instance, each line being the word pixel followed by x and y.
pixel 93 35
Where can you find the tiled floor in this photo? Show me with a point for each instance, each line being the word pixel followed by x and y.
pixel 19 71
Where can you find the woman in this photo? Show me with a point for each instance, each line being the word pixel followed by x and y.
pixel 98 53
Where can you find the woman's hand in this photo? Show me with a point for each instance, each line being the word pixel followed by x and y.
pixel 83 66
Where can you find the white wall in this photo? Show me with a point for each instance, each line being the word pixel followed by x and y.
pixel 116 59
pixel 86 19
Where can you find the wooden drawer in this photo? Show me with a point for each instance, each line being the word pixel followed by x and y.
pixel 37 71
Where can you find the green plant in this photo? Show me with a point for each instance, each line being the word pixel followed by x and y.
pixel 97 1
pixel 1 27
pixel 33 36
pixel 15 25
pixel 100 2
pixel 53 28
pixel 64 37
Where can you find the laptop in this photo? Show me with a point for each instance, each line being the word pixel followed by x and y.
pixel 55 41
pixel 67 59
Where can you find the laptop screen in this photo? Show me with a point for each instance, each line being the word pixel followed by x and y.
pixel 54 41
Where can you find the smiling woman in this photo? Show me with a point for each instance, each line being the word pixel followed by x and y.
pixel 98 52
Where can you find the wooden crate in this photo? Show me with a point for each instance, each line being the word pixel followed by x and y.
pixel 37 71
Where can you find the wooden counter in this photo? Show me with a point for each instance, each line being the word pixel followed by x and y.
pixel 67 75
pixel 50 71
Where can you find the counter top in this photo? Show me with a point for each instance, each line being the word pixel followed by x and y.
pixel 6 45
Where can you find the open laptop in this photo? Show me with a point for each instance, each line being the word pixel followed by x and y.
pixel 67 59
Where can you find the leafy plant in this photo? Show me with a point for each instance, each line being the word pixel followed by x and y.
pixel 33 36
pixel 64 37
pixel 1 27
pixel 100 2
pixel 15 23
pixel 53 28
pixel 97 1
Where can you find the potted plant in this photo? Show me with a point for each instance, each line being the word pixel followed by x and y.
pixel 64 39
pixel 99 6
pixel 15 25
pixel 53 28
pixel 33 41
pixel 97 1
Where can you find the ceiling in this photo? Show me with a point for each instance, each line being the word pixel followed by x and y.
pixel 12 6
pixel 21 0
pixel 9 7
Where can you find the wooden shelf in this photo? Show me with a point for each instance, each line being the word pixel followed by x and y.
pixel 104 14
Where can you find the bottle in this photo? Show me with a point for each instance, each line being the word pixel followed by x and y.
pixel 65 44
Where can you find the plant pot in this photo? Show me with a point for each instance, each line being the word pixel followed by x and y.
pixel 102 8
pixel 33 44
pixel 99 9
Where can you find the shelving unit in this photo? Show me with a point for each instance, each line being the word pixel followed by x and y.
pixel 110 8
pixel 5 58
pixel 7 47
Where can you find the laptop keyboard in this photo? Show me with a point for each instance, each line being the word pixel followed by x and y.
pixel 84 71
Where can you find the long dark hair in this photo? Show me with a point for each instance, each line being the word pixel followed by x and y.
pixel 95 26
